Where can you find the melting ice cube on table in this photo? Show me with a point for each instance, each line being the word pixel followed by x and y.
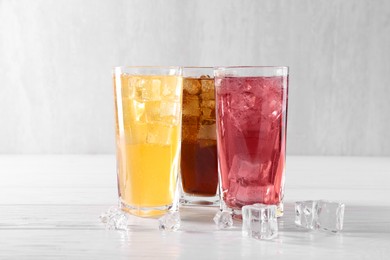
pixel 319 214
pixel 115 218
pixel 259 221
pixel 170 221
pixel 223 219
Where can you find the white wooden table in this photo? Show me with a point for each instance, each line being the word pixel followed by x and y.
pixel 49 209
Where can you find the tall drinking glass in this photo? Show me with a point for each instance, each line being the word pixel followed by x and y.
pixel 148 131
pixel 199 167
pixel 251 135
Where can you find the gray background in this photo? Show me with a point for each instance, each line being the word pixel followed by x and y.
pixel 56 59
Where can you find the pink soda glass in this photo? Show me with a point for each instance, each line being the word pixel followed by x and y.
pixel 251 113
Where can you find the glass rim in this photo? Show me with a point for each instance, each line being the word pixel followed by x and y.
pixel 194 72
pixel 148 70
pixel 251 71
pixel 146 67
pixel 198 67
pixel 250 67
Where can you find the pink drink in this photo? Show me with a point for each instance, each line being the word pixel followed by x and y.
pixel 251 117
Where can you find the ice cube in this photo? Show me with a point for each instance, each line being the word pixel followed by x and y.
pixel 250 181
pixel 259 221
pixel 223 219
pixel 115 218
pixel 248 100
pixel 207 84
pixel 191 86
pixel 319 215
pixel 207 113
pixel 163 112
pixel 208 104
pixel 330 215
pixel 207 132
pixel 152 111
pixel 210 95
pixel 191 105
pixel 170 112
pixel 148 89
pixel 241 168
pixel 171 89
pixel 248 193
pixel 170 221
pixel 272 102
pixel 305 214
pixel 159 133
pixel 104 217
pixel 134 109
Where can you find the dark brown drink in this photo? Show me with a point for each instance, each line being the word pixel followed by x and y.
pixel 199 167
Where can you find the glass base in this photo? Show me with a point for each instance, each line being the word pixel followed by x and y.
pixel 139 211
pixel 194 200
pixel 237 213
